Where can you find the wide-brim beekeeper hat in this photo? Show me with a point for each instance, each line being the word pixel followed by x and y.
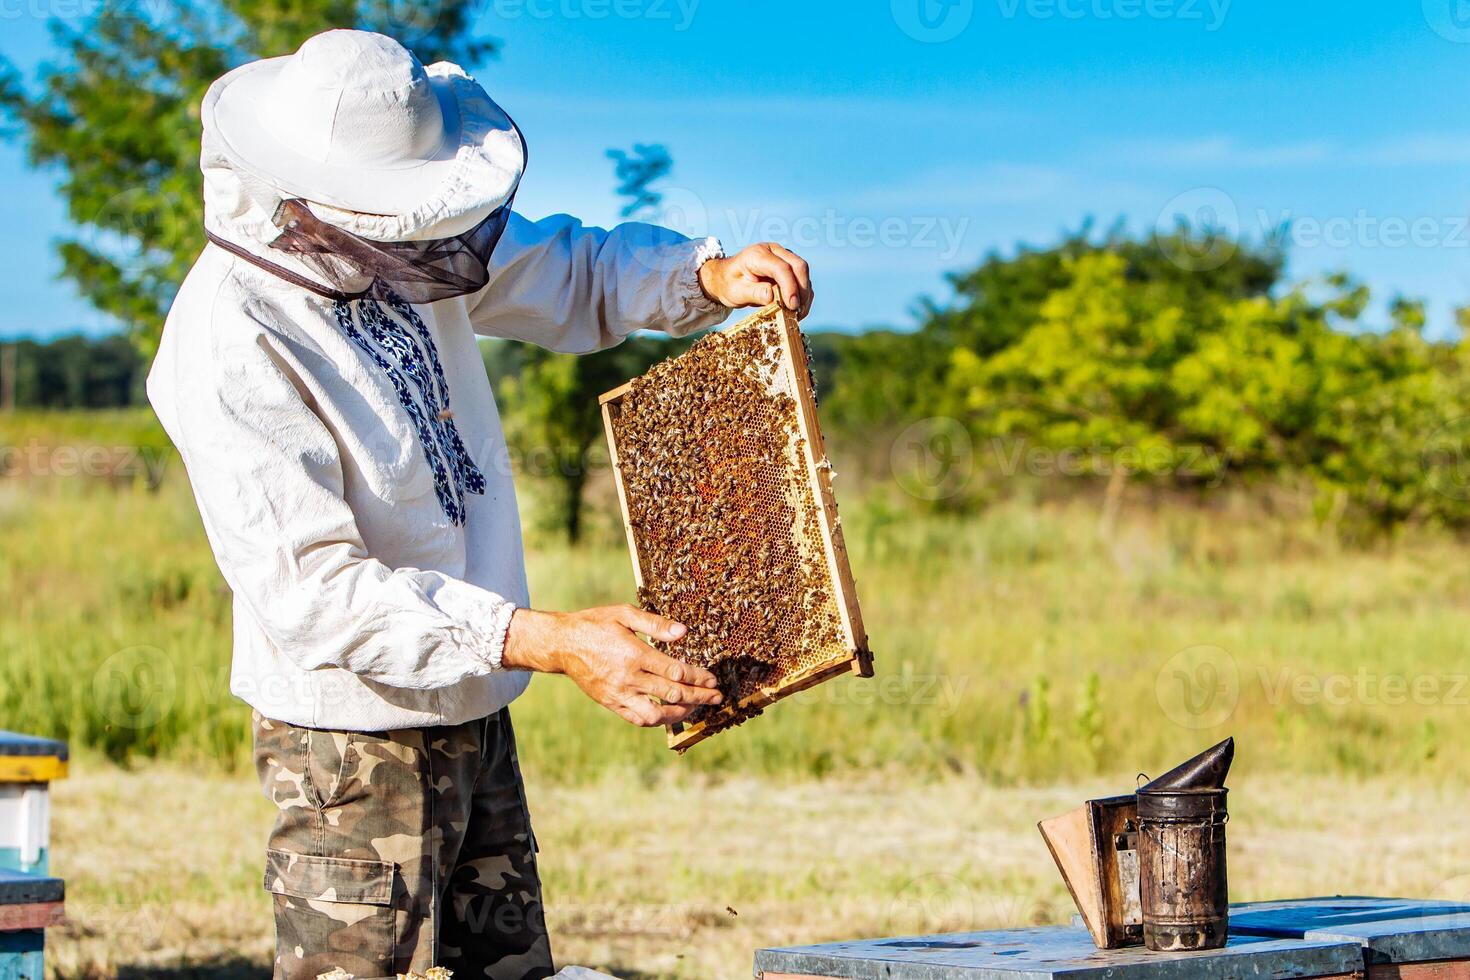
pixel 354 122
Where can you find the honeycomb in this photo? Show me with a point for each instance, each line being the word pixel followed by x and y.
pixel 723 521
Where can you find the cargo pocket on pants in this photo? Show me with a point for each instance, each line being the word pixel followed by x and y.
pixel 331 913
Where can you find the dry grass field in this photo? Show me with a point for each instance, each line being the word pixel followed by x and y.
pixel 163 864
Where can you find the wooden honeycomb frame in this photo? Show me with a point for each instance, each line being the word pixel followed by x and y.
pixel 853 656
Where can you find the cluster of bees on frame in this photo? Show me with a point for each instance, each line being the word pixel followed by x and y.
pixel 710 458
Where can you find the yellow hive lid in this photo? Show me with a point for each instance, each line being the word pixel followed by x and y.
pixel 30 759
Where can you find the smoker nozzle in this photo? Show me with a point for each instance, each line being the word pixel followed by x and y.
pixel 1205 771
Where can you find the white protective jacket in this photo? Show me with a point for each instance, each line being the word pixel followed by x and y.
pixel 358 604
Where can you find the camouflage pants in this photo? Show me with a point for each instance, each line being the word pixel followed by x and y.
pixel 397 851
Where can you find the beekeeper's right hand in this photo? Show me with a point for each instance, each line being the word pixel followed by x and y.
pixel 599 649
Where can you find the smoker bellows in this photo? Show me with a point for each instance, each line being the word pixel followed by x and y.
pixel 727 500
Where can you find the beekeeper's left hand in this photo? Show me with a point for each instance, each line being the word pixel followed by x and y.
pixel 757 275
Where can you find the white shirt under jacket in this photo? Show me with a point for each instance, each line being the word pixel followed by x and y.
pixel 358 605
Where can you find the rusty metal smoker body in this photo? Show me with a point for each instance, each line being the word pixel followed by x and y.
pixel 1183 885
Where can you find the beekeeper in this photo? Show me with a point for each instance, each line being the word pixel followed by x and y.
pixel 320 377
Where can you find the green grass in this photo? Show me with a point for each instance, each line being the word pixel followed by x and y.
pixel 1020 643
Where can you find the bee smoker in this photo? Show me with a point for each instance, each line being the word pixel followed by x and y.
pixel 1149 868
pixel 1183 889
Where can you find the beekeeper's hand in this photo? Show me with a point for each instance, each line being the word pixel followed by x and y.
pixel 757 275
pixel 600 651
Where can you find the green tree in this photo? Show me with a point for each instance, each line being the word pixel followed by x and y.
pixel 1001 298
pixel 881 379
pixel 554 420
pixel 1140 373
pixel 550 401
pixel 1090 370
pixel 877 379
pixel 118 118
pixel 1373 420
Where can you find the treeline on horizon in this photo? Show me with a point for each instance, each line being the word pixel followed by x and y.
pixel 74 371
pixel 1183 361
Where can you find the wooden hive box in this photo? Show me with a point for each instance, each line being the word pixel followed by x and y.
pixel 30 901
pixel 726 496
pixel 28 766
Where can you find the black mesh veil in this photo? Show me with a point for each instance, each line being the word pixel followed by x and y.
pixel 420 272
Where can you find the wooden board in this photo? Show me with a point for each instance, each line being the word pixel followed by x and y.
pixel 23 889
pixel 21 954
pixel 1056 953
pixel 14 918
pixel 793 372
pixel 819 475
pixel 1447 970
pixel 1082 843
pixel 1069 839
pixel 14 743
pixel 1111 819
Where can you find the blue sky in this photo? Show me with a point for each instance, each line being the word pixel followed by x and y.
pixel 891 141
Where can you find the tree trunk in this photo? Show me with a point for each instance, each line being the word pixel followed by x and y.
pixel 7 377
pixel 1112 502
pixel 572 484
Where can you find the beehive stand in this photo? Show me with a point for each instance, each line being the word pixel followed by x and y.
pixel 1401 939
pixel 30 900
pixel 823 639
pixel 1339 938
pixel 1060 953
pixel 29 904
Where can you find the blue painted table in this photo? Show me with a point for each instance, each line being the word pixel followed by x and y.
pixel 1057 953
